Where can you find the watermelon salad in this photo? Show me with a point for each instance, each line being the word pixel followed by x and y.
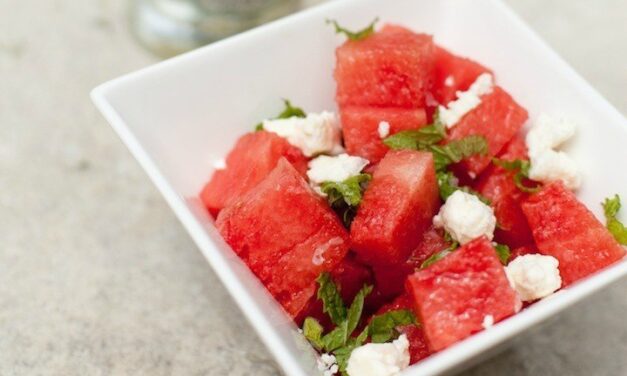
pixel 419 215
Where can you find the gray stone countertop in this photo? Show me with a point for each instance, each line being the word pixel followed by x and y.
pixel 97 277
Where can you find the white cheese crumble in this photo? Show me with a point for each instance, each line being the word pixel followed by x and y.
pixel 219 164
pixel 328 364
pixel 384 129
pixel 379 359
pixel 449 81
pixel 534 276
pixel 548 164
pixel 488 321
pixel 337 168
pixel 466 100
pixel 465 217
pixel 314 134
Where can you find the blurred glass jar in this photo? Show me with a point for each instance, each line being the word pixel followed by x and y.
pixel 169 27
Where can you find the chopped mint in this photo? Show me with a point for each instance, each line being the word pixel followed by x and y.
pixel 448 184
pixel 418 139
pixel 354 35
pixel 611 206
pixel 344 197
pixel 288 112
pixel 503 252
pixel 339 341
pixel 332 303
pixel 435 258
pixel 382 328
pixel 457 150
pixel 522 172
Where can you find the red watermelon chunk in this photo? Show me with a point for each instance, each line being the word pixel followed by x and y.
pixel 418 348
pixel 396 209
pixel 360 126
pixel 286 234
pixel 453 73
pixel 251 160
pixel 565 229
pixel 498 185
pixel 391 68
pixel 390 279
pixel 497 118
pixel 454 295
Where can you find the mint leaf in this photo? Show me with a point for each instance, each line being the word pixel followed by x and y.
pixel 312 330
pixel 455 151
pixel 349 190
pixel 343 354
pixel 288 112
pixel 354 35
pixel 417 139
pixel 522 168
pixel 382 328
pixel 448 184
pixel 503 252
pixel 435 258
pixel 336 338
pixel 611 206
pixel 356 308
pixel 332 303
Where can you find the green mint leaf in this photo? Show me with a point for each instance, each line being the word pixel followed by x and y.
pixel 354 35
pixel 342 355
pixel 332 303
pixel 448 184
pixel 382 328
pixel 417 139
pixel 349 190
pixel 336 338
pixel 503 252
pixel 435 258
pixel 312 330
pixel 522 172
pixel 356 308
pixel 288 112
pixel 456 150
pixel 611 206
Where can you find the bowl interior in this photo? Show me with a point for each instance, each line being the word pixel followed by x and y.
pixel 179 116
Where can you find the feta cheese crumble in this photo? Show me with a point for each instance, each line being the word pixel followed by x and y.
pixel 534 276
pixel 379 359
pixel 219 164
pixel 384 129
pixel 465 217
pixel 337 168
pixel 449 81
pixel 328 364
pixel 488 321
pixel 466 101
pixel 548 164
pixel 314 134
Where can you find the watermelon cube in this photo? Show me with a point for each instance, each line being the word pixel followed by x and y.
pixel 250 161
pixel 453 73
pixel 565 229
pixel 396 209
pixel 391 68
pixel 360 126
pixel 497 118
pixel 286 234
pixel 418 348
pixel 454 296
pixel 390 279
pixel 498 185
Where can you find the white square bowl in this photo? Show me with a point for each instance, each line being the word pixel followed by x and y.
pixel 179 116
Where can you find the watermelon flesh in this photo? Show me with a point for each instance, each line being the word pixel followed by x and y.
pixel 286 234
pixel 453 296
pixel 360 126
pixel 452 74
pixel 251 160
pixel 391 68
pixel 390 279
pixel 498 185
pixel 565 229
pixel 418 348
pixel 396 209
pixel 497 118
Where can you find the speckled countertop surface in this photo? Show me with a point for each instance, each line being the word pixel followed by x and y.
pixel 97 277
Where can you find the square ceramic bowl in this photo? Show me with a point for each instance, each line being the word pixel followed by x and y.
pixel 179 116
